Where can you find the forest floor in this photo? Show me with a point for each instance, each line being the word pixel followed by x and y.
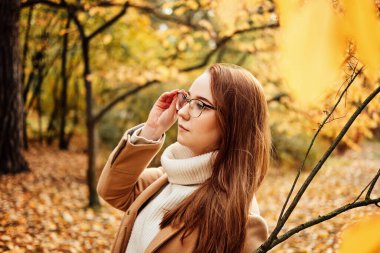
pixel 45 210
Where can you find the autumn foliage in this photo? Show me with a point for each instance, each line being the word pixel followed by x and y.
pixel 98 66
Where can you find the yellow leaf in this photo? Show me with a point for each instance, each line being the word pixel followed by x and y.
pixel 226 12
pixel 312 48
pixel 362 237
pixel 182 45
pixel 192 5
pixel 82 17
pixel 180 11
pixel 362 25
pixel 107 39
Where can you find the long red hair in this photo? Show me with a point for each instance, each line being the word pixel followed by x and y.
pixel 219 208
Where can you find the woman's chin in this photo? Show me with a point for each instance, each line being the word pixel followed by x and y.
pixel 181 140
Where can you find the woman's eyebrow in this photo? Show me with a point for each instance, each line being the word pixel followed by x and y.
pixel 199 97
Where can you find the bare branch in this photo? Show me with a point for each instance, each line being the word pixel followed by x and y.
pixel 71 8
pixel 82 33
pixel 106 108
pixel 353 77
pixel 269 243
pixel 319 220
pixel 30 3
pixel 372 185
pixel 365 188
pixel 166 17
pixel 106 4
pixel 60 5
pixel 277 97
pixel 109 22
pixel 223 41
pixel 64 5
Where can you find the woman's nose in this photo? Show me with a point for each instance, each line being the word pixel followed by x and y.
pixel 184 112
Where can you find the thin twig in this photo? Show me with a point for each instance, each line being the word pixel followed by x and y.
pixel 353 77
pixel 372 185
pixel 123 96
pixel 269 243
pixel 321 219
pixel 365 188
pixel 223 41
pixel 109 22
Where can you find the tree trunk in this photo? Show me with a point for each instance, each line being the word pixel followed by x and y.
pixel 91 145
pixel 39 103
pixel 23 67
pixel 11 106
pixel 51 130
pixel 63 144
pixel 90 120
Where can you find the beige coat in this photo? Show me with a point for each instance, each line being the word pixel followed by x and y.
pixel 127 185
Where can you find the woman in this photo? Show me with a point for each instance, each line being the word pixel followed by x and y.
pixel 201 198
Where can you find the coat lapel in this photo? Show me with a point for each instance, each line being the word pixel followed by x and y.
pixel 149 192
pixel 162 236
pixel 137 206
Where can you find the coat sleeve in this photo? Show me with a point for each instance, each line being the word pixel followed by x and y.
pixel 257 233
pixel 124 175
pixel 257 228
pixel 137 139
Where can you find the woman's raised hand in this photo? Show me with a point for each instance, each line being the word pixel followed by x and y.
pixel 162 116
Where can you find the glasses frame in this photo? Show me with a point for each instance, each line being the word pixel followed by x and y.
pixel 188 101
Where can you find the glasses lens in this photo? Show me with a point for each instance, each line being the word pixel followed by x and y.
pixel 196 108
pixel 181 101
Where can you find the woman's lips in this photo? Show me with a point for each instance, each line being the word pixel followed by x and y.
pixel 180 126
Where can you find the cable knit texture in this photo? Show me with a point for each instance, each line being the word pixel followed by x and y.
pixel 185 172
pixel 183 167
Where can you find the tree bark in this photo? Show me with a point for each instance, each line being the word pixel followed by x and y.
pixel 91 145
pixel 23 67
pixel 11 105
pixel 63 144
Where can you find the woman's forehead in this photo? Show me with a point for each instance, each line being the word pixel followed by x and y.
pixel 201 87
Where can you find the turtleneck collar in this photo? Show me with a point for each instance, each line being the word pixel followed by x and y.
pixel 183 167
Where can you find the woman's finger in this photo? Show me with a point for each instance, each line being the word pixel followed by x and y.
pixel 173 105
pixel 168 96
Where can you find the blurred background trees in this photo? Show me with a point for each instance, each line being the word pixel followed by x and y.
pixel 95 68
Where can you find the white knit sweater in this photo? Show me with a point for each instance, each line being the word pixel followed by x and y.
pixel 185 172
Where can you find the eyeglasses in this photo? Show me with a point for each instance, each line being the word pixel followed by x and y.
pixel 196 106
